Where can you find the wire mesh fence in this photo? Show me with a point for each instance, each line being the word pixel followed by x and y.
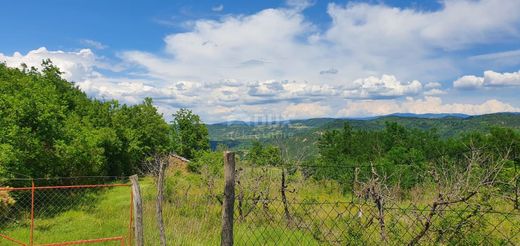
pixel 375 205
pixel 65 212
pixel 353 223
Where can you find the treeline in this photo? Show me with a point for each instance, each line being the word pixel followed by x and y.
pixel 408 156
pixel 50 128
pixel 402 158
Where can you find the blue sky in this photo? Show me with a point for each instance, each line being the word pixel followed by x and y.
pixel 241 60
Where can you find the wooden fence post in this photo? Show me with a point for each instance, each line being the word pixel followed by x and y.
pixel 138 211
pixel 160 198
pixel 229 199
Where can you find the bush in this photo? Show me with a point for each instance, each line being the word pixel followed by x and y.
pixel 6 201
pixel 212 161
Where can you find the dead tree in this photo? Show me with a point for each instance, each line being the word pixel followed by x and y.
pixel 376 190
pixel 156 167
pixel 256 194
pixel 288 161
pixel 459 185
pixel 283 189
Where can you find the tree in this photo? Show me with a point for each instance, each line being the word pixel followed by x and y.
pixel 188 133
pixel 49 128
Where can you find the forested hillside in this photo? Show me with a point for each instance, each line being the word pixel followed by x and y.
pixel 297 133
pixel 48 127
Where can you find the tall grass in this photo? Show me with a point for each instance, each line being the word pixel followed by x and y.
pixel 320 213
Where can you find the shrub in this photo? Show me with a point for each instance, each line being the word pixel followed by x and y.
pixel 6 201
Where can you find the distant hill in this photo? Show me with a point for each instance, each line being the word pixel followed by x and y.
pixel 430 116
pixel 303 133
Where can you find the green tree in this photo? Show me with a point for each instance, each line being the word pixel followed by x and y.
pixel 49 127
pixel 188 133
pixel 264 155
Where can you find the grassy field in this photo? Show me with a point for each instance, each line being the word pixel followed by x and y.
pixel 90 215
pixel 318 214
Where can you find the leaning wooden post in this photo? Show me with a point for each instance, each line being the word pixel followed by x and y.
pixel 229 199
pixel 138 211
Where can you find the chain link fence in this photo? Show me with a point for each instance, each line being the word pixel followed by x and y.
pixel 355 223
pixel 372 205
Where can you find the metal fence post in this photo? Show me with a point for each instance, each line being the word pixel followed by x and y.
pixel 138 211
pixel 229 199
pixel 32 215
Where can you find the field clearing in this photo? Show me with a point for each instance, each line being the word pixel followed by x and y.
pixel 319 213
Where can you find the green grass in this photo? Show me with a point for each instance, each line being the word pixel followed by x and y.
pixel 105 216
pixel 193 218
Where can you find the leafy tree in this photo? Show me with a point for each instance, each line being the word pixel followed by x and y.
pixel 188 133
pixel 212 161
pixel 48 127
pixel 264 155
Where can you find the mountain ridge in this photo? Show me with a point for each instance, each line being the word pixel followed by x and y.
pixel 307 131
pixel 403 115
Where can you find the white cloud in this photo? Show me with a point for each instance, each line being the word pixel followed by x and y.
pixel 385 87
pixel 432 85
pixel 289 90
pixel 218 8
pixel 468 82
pixel 299 5
pixel 306 110
pixel 508 58
pixel 457 24
pixel 434 92
pixel 490 79
pixel 422 106
pixel 93 43
pixel 76 65
pixel 363 40
pixel 276 59
pixel 510 54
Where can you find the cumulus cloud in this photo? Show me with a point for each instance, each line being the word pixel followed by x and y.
pixel 468 82
pixel 276 59
pixel 362 40
pixel 385 87
pixel 76 65
pixel 422 106
pixel 490 79
pixel 272 91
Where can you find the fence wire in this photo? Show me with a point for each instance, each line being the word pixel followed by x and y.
pixel 375 206
pixel 65 211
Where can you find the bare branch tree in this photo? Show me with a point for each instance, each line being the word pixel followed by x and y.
pixel 156 167
pixel 457 185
